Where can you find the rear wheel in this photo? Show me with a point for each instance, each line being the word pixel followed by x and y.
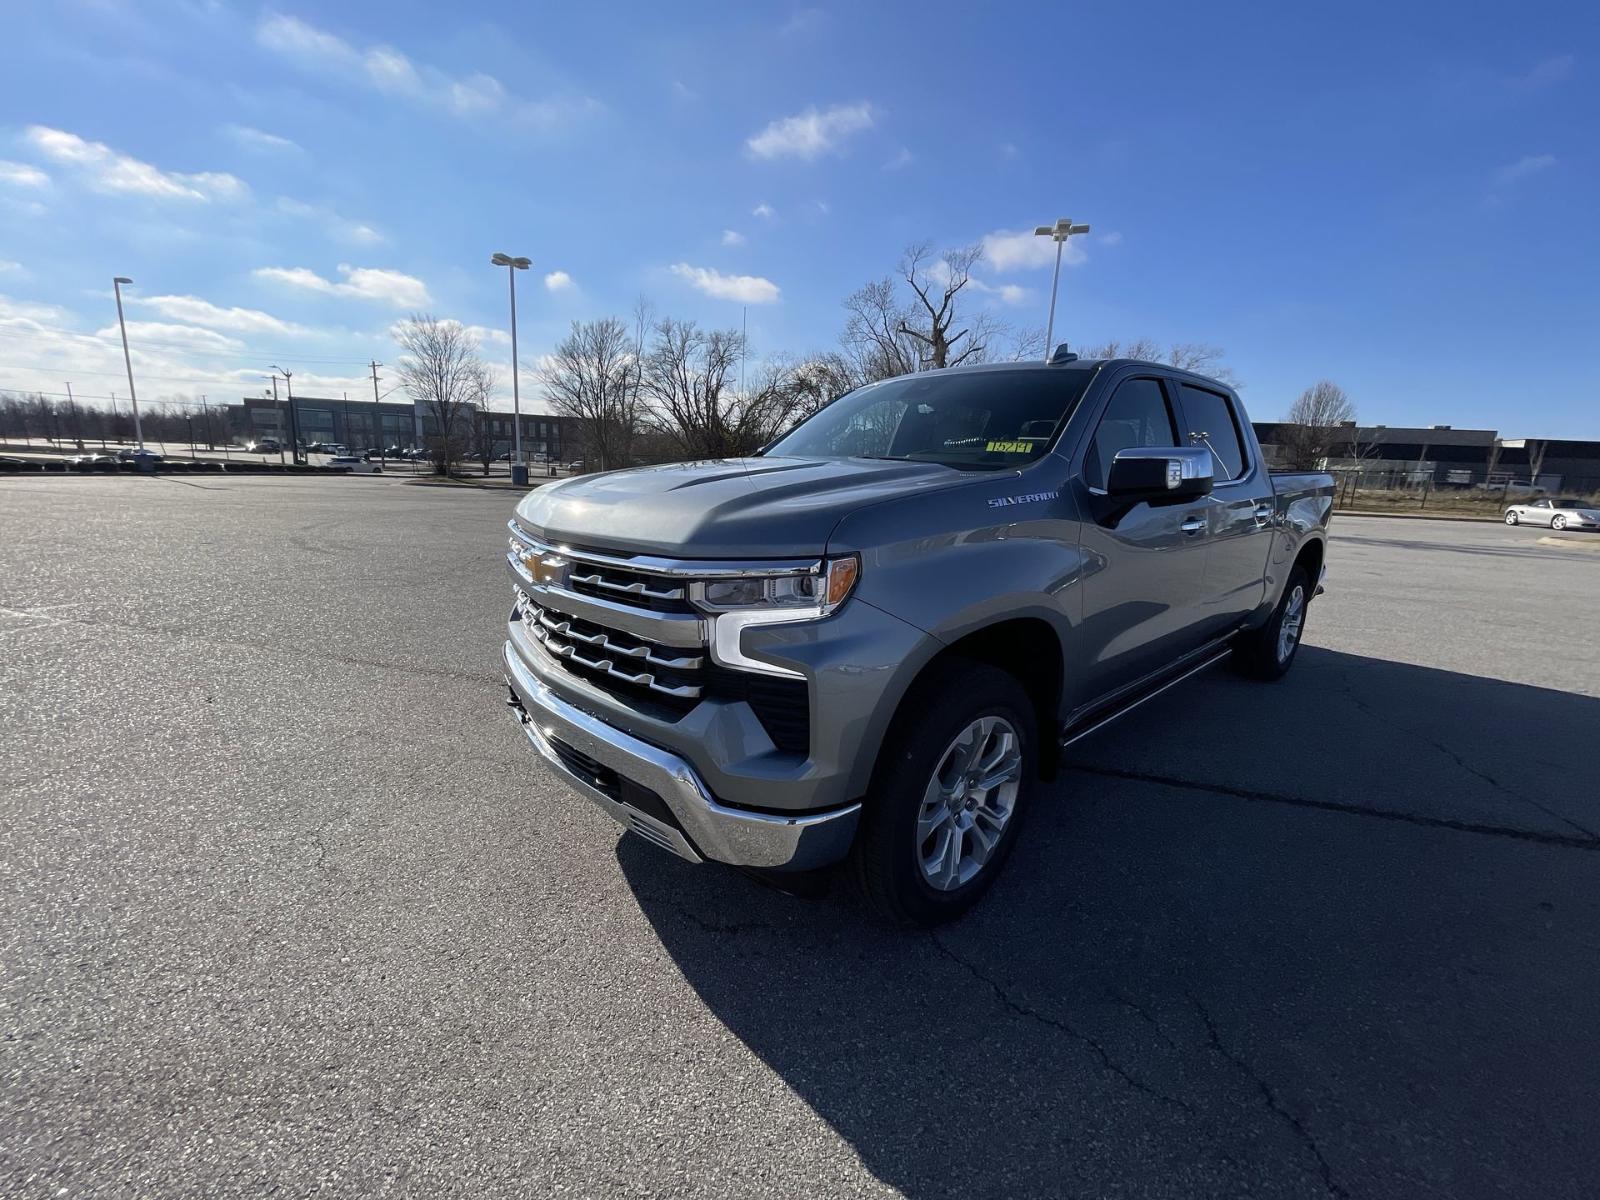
pixel 951 787
pixel 1511 517
pixel 1268 653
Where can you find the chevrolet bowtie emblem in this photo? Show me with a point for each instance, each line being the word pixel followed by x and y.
pixel 548 569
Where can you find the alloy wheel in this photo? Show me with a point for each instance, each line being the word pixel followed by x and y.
pixel 1294 619
pixel 968 802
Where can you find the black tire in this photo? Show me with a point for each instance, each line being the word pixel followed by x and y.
pixel 1511 518
pixel 1258 653
pixel 886 858
pixel 1558 522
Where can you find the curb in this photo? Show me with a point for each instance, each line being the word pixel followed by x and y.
pixel 1416 516
pixel 1571 543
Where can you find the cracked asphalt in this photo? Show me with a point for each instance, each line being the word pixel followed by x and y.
pixel 289 908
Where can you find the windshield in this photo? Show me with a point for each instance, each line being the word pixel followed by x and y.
pixel 971 420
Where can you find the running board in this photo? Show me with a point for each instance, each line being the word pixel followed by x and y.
pixel 1100 723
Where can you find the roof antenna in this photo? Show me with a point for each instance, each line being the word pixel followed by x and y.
pixel 1062 355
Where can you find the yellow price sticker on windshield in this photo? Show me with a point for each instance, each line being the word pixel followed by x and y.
pixel 1009 447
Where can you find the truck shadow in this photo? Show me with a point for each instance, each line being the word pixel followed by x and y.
pixel 1332 937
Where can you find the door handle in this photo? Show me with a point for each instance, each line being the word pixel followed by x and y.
pixel 1263 512
pixel 1193 525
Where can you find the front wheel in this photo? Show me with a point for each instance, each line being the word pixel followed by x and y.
pixel 951 787
pixel 1511 518
pixel 1558 522
pixel 1268 653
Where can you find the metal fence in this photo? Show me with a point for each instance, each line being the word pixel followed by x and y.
pixel 1443 487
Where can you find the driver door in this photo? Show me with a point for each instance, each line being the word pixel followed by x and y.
pixel 1144 563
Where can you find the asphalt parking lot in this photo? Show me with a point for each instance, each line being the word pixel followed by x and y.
pixel 288 907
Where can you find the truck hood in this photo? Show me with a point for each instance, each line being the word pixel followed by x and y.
pixel 724 508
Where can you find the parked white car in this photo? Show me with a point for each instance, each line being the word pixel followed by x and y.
pixel 351 465
pixel 1562 512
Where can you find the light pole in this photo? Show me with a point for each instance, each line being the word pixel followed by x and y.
pixel 294 417
pixel 512 266
pixel 1058 233
pixel 127 361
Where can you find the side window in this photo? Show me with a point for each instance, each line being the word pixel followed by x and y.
pixel 1211 414
pixel 1138 415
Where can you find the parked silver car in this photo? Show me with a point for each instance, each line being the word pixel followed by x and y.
pixel 1563 512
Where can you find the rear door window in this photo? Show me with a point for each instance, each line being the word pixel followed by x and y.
pixel 1211 414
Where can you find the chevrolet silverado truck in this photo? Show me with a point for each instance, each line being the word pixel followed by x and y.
pixel 871 640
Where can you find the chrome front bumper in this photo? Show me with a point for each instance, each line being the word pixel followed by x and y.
pixel 703 828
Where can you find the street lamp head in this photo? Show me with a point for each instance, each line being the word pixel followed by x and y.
pixel 1077 229
pixel 1044 231
pixel 522 263
pixel 505 260
pixel 501 260
pixel 122 279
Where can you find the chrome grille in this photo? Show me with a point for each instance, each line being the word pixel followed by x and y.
pixel 594 650
pixel 625 624
pixel 648 591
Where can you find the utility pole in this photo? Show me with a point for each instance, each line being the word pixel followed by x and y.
pixel 77 417
pixel 519 472
pixel 294 416
pixel 277 406
pixel 1059 233
pixel 377 412
pixel 127 361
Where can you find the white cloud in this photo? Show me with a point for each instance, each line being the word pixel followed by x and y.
pixel 1528 164
pixel 260 139
pixel 811 133
pixel 109 171
pixel 764 211
pixel 902 158
pixel 192 338
pixel 22 174
pixel 1009 293
pixel 195 311
pixel 732 237
pixel 390 71
pixel 342 228
pixel 803 21
pixel 8 267
pixel 747 289
pixel 558 281
pixel 360 283
pixel 1555 69
pixel 1108 239
pixel 1008 250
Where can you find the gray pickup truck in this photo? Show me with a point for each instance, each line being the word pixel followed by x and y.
pixel 872 639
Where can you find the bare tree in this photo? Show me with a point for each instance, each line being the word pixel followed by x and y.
pixel 1318 423
pixel 937 282
pixel 480 421
pixel 1202 358
pixel 1536 452
pixel 874 337
pixel 440 370
pixel 688 383
pixel 593 378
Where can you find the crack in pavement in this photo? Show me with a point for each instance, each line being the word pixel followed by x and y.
pixel 1099 1051
pixel 1270 1097
pixel 1477 773
pixel 1569 841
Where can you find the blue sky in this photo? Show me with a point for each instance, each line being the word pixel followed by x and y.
pixel 1399 197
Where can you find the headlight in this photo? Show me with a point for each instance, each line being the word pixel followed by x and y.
pixel 816 593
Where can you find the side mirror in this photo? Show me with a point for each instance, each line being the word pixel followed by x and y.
pixel 1161 474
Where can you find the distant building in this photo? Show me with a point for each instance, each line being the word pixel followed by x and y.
pixel 360 425
pixel 1445 456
